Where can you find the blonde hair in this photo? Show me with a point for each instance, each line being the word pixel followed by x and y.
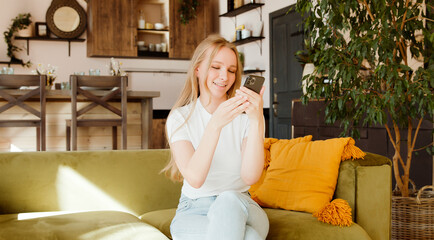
pixel 191 92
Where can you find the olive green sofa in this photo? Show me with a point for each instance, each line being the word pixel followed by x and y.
pixel 121 195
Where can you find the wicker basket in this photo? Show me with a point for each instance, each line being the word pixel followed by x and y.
pixel 413 217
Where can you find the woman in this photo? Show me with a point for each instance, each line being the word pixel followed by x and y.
pixel 216 149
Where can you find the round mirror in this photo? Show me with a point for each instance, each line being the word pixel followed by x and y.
pixel 66 19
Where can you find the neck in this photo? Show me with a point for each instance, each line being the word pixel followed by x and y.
pixel 213 105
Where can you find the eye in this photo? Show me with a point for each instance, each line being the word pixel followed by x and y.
pixel 232 70
pixel 215 67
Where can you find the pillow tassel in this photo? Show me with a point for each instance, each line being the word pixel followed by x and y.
pixel 337 212
pixel 351 151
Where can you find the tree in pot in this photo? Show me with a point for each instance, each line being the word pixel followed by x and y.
pixel 378 58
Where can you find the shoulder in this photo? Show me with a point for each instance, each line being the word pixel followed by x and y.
pixel 179 114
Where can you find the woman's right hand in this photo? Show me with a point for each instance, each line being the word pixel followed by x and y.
pixel 228 111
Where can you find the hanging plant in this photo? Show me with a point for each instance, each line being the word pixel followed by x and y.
pixel 20 22
pixel 188 10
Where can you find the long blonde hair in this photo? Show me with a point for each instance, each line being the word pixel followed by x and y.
pixel 191 92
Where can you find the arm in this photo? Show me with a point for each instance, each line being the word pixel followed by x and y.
pixel 253 145
pixel 194 164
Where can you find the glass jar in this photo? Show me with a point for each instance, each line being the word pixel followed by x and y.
pixel 141 20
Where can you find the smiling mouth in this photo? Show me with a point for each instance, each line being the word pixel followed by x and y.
pixel 220 85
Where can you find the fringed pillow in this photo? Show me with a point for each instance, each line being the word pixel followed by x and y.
pixel 303 177
pixel 274 146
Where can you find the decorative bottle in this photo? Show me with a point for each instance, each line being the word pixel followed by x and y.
pixel 141 20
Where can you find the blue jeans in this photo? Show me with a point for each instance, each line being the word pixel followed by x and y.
pixel 230 215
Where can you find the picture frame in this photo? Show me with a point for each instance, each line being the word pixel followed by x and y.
pixel 41 29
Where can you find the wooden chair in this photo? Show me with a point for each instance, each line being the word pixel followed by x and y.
pixel 80 86
pixel 16 81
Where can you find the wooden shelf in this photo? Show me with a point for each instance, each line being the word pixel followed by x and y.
pixel 253 71
pixel 52 39
pixel 69 40
pixel 153 31
pixel 242 9
pixel 153 54
pixel 247 40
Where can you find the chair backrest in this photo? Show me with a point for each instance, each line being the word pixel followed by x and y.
pixel 16 81
pixel 108 88
pixel 18 98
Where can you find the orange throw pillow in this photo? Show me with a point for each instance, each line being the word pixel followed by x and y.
pixel 301 177
pixel 273 146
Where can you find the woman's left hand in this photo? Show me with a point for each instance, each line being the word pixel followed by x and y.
pixel 256 103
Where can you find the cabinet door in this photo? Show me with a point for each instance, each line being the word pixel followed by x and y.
pixel 112 28
pixel 185 38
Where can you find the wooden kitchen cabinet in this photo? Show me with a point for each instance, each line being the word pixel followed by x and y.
pixel 185 38
pixel 112 28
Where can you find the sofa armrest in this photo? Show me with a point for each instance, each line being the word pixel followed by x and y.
pixel 367 186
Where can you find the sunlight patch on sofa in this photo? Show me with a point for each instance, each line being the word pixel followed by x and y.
pixel 77 193
pixel 34 215
pixel 131 231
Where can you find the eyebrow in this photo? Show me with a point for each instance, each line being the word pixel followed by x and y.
pixel 223 63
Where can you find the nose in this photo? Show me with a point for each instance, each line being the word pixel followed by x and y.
pixel 223 74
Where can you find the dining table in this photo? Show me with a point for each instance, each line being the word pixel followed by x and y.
pixel 145 98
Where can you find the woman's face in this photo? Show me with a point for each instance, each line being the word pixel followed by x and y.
pixel 221 74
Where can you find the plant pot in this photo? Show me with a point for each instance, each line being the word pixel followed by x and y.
pixel 26 32
pixel 413 217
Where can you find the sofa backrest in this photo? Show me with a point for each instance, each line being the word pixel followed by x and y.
pixel 121 180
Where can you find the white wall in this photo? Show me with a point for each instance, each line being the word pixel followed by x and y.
pixel 252 52
pixel 56 53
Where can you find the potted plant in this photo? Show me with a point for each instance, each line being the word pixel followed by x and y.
pixel 20 22
pixel 378 56
pixel 187 10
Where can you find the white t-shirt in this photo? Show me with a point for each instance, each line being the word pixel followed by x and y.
pixel 225 170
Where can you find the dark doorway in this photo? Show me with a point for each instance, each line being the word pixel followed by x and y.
pixel 286 39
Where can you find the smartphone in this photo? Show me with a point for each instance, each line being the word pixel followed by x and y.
pixel 254 83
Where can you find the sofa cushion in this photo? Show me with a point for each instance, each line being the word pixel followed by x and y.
pixel 93 225
pixel 299 225
pixel 273 147
pixel 303 177
pixel 160 219
pixel 284 224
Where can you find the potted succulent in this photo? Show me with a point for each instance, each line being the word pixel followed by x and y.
pixel 378 56
pixel 20 22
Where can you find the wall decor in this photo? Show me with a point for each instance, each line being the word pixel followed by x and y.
pixel 66 18
pixel 41 29
pixel 19 22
